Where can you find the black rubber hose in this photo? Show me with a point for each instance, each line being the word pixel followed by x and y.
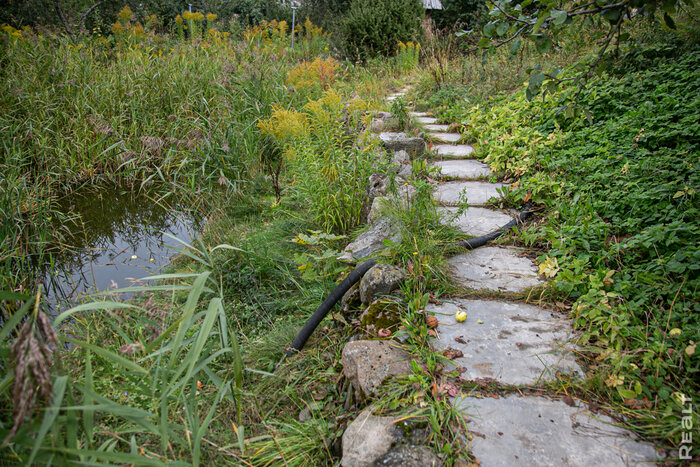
pixel 327 304
pixel 360 271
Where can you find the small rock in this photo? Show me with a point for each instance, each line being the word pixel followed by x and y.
pixel 378 185
pixel 399 141
pixel 375 211
pixel 409 456
pixel 406 171
pixel 367 439
pixel 368 363
pixel 400 157
pixel 351 299
pixel 372 241
pixel 380 279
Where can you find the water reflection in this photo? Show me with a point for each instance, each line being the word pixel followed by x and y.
pixel 116 236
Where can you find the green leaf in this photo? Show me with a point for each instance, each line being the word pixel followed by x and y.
pixel 502 28
pixel 92 306
pixel 559 16
pixel 57 392
pixel 489 29
pixel 111 356
pixel 14 320
pixel 626 393
pixel 669 21
pixel 515 46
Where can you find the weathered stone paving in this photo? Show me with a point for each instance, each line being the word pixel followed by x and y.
pixel 506 342
pixel 474 221
pixel 453 150
pixel 446 137
pixel 477 193
pixel 501 269
pixel 511 343
pixel 536 431
pixel 464 169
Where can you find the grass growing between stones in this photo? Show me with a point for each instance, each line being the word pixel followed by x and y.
pixel 615 175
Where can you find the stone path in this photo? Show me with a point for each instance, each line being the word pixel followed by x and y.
pixel 511 343
pixel 514 347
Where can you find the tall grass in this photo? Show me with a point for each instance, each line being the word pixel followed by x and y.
pixel 142 389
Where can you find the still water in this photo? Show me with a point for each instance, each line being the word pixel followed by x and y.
pixel 115 237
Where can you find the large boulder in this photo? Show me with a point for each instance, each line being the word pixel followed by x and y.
pixel 368 363
pixel 380 279
pixel 372 240
pixel 399 141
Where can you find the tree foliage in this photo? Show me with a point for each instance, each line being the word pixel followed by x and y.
pixel 513 23
pixel 374 28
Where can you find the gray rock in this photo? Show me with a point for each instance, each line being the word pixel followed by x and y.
pixel 351 299
pixel 477 193
pixel 378 184
pixel 511 343
pixel 534 431
pixel 368 363
pixel 367 438
pixel 400 157
pixel 462 168
pixel 377 126
pixel 418 114
pixel 375 211
pixel 446 137
pixel 372 240
pixel 474 221
pixel 453 150
pixel 399 141
pixel 495 268
pixel 409 456
pixel 406 171
pixel 380 280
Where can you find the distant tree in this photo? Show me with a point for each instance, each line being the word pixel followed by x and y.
pixel 373 28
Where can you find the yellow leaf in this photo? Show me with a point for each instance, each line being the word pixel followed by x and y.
pixel 549 267
pixel 674 332
pixel 690 350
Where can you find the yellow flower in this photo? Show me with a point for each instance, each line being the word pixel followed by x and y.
pixel 178 19
pixel 125 14
pixel 211 17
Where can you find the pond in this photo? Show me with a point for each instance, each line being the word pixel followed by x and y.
pixel 115 237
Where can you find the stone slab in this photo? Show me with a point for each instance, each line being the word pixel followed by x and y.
pixel 512 343
pixel 426 120
pixel 462 168
pixel 477 193
pixel 437 127
pixel 495 268
pixel 474 221
pixel 372 241
pixel 446 137
pixel 535 431
pixel 453 150
pixel 418 114
pixel 399 141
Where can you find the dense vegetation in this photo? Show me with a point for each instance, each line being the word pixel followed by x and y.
pixel 264 139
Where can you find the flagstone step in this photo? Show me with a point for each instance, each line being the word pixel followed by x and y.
pixel 418 114
pixel 474 221
pixel 426 120
pixel 436 127
pixel 453 150
pixel 536 431
pixel 511 343
pixel 464 169
pixel 446 137
pixel 477 193
pixel 495 268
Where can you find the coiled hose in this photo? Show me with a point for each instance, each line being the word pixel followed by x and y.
pixel 360 271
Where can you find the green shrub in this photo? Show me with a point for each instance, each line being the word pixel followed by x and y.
pixel 375 28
